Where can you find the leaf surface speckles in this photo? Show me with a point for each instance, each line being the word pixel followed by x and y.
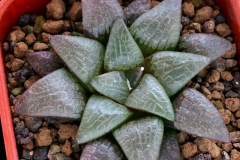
pixel 195 114
pixel 101 115
pixel 208 45
pixel 56 95
pixel 150 97
pixel 174 70
pixel 122 52
pixel 98 17
pixel 83 56
pixel 159 28
pixel 141 139
pixel 113 85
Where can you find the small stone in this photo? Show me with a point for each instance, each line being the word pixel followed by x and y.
pixel 53 26
pixel 231 94
pixel 76 11
pixel 45 37
pixel 182 137
pixel 209 26
pixel 16 36
pixel 226 76
pixel 206 92
pixel 235 154
pixel 217 86
pixel 20 49
pixel 225 156
pixel 40 153
pixel 227 147
pixel 237 114
pixel 203 14
pixel 220 19
pixel 24 20
pixel 67 148
pixel 213 76
pixel 223 30
pixel 196 27
pixel 38 46
pixel 55 9
pixel 66 25
pixel 188 9
pixel 229 38
pixel 43 137
pixel 227 85
pixel 232 104
pixel 219 64
pixel 13 82
pixel 231 53
pixel 29 29
pixel 23 74
pixel 203 73
pixel 226 115
pixel 154 3
pixel 215 13
pixel 28 83
pixel 17 91
pixel 38 27
pixel 33 123
pixel 231 63
pixel 202 156
pixel 27 154
pixel 189 149
pixel 28 146
pixel 235 136
pixel 30 39
pixel 5 46
pixel 236 145
pixel 19 127
pixel 216 95
pixel 218 104
pixel 53 150
pixel 66 131
pixel 210 3
pixel 185 21
pixel 236 81
pixel 22 139
pixel 60 156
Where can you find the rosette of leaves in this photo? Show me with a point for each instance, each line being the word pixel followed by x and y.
pixel 138 100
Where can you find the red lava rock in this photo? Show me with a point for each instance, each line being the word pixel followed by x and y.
pixel 66 131
pixel 232 104
pixel 189 149
pixel 66 148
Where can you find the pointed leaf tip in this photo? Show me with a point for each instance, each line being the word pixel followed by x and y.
pixel 56 95
pixel 101 115
pixel 174 70
pixel 195 114
pixel 150 97
pixel 83 56
pixel 113 85
pixel 159 28
pixel 204 44
pixel 122 52
pixel 141 138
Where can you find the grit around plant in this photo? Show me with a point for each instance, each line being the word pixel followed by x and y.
pixel 127 82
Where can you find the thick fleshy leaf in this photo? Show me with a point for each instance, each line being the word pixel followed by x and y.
pixel 170 148
pixel 174 69
pixel 83 56
pixel 159 28
pixel 113 85
pixel 208 45
pixel 141 139
pixel 102 149
pixel 56 95
pixel 150 97
pixel 134 76
pixel 44 62
pixel 100 116
pixel 99 16
pixel 135 9
pixel 195 114
pixel 122 52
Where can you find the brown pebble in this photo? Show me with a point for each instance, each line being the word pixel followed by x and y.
pixel 189 149
pixel 206 92
pixel 154 3
pixel 223 30
pixel 226 115
pixel 66 25
pixel 43 137
pixel 196 27
pixel 209 3
pixel 28 83
pixel 53 26
pixel 55 9
pixel 218 104
pixel 53 132
pixel 213 76
pixel 232 104
pixel 226 75
pixel 67 148
pixel 17 64
pixel 203 73
pixel 235 136
pixel 216 95
pixel 238 123
pixel 20 49
pixel 78 26
pixel 76 11
pixel 28 146
pixel 209 26
pixel 227 147
pixel 203 14
pixel 30 39
pixel 66 33
pixel 215 13
pixel 13 82
pixel 235 155
pixel 237 114
pixel 217 86
pixel 188 9
pixel 9 57
pixel 231 53
pixel 231 63
pixel 5 46
pixel 182 137
pixel 38 46
pixel 45 37
pixel 16 36
pixel 66 131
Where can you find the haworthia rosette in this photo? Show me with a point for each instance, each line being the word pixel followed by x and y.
pixel 83 56
pixel 195 114
pixel 122 52
pixel 174 70
pixel 113 85
pixel 149 96
pixel 100 116
pixel 159 28
pixel 57 95
pixel 141 138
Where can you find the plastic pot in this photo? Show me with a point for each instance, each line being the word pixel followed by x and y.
pixel 10 11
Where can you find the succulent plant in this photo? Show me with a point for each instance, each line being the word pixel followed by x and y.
pixel 133 87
